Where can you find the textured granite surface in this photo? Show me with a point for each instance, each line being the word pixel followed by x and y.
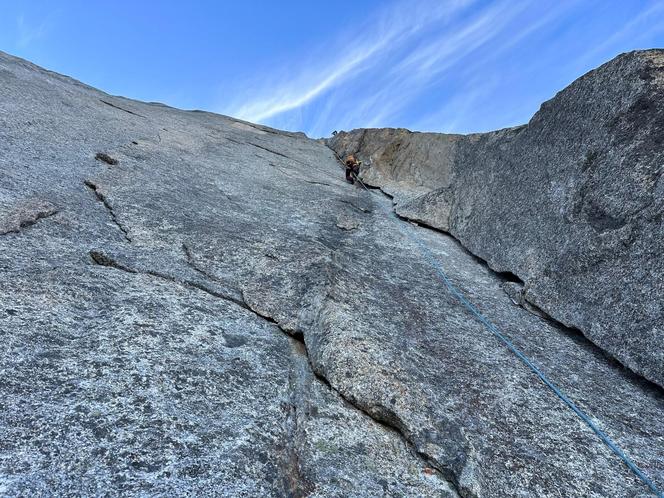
pixel 220 314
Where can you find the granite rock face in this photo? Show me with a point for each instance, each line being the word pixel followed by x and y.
pixel 571 203
pixel 196 305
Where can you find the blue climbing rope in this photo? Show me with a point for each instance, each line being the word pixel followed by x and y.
pixel 426 252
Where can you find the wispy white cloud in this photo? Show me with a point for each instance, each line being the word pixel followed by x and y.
pixel 393 28
pixel 436 65
pixel 27 33
pixel 463 105
pixel 304 91
pixel 432 58
pixel 642 25
pixel 408 50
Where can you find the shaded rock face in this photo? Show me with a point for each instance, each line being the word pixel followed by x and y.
pixel 571 203
pixel 195 305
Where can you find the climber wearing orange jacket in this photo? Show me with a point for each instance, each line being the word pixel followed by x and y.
pixel 352 168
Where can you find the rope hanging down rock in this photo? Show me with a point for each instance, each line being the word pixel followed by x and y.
pixel 431 259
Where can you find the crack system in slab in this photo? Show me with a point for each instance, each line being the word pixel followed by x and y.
pixel 506 277
pixel 296 483
pixel 235 141
pixel 387 423
pixel 192 263
pixel 524 302
pixel 104 200
pixel 391 426
pixel 269 162
pixel 316 183
pixel 270 150
pixel 275 152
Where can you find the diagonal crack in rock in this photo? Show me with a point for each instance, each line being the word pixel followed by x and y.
pixel 101 197
pixel 103 259
pixel 121 108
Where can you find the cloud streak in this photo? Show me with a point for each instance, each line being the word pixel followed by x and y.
pixel 27 33
pixel 294 96
pixel 438 66
pixel 432 58
pixel 394 28
pixel 641 25
pixel 408 51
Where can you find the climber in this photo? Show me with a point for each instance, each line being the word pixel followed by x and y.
pixel 352 168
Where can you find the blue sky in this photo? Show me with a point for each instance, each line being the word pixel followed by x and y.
pixel 453 66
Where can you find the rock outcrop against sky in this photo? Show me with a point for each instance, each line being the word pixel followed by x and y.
pixel 196 305
pixel 571 203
